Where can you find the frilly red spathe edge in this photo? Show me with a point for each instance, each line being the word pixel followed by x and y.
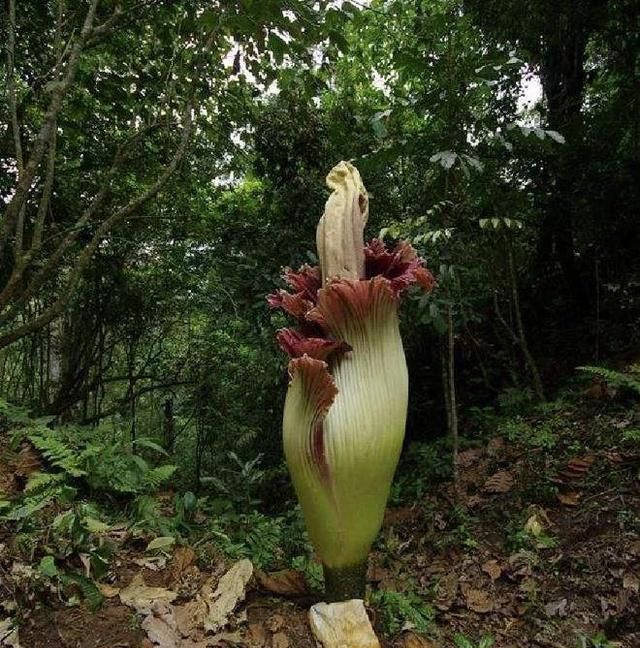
pixel 319 310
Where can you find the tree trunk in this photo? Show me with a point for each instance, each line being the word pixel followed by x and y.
pixel 169 431
pixel 562 75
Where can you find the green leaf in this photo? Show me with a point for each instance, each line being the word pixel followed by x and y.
pixel 48 567
pixel 162 542
pixel 95 526
pixel 446 159
pixel 90 591
pixel 555 136
pixel 146 442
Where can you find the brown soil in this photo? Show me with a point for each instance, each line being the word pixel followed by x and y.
pixel 112 626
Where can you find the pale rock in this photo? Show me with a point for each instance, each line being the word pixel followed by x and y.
pixel 342 625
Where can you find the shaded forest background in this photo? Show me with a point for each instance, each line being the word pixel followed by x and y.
pixel 162 162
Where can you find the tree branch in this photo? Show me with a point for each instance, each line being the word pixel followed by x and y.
pixel 58 92
pixel 13 114
pixel 55 309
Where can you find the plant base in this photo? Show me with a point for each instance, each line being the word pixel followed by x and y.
pixel 345 583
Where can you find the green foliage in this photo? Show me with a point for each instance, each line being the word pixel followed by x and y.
pixel 89 590
pixel 542 434
pixel 598 640
pixel 458 530
pixel 462 641
pixel 631 436
pixel 514 401
pixel 73 536
pixel 628 380
pixel 422 466
pixel 71 581
pixel 79 458
pixel 252 535
pixel 147 515
pixel 104 461
pixel 402 609
pixel 312 570
pixel 520 538
pixel 239 481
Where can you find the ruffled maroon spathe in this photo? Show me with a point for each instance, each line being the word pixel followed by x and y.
pixel 391 270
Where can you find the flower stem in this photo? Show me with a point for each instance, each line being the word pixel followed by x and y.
pixel 345 583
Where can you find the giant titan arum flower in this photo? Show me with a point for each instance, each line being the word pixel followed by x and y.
pixel 346 405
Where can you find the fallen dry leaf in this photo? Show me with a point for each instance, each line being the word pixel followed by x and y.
pixel 493 569
pixel 154 563
pixel 230 591
pixel 575 469
pixel 183 557
pixel 439 565
pixel 141 597
pixel 256 636
pixel 468 457
pixel 412 640
pixel 398 515
pixel 375 573
pixel 27 462
pixel 190 616
pixel 229 639
pixel 475 500
pixel 500 482
pixel 570 498
pixel 631 582
pixel 275 622
pixel 9 634
pixel 623 598
pixel 495 445
pixel 336 625
pixel 287 582
pixel 280 640
pixel 478 600
pixel 556 608
pixel 447 590
pixel 160 627
pixel 108 591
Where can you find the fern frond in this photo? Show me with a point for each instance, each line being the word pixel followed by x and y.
pixel 157 476
pixel 55 451
pixel 38 481
pixel 34 503
pixel 615 378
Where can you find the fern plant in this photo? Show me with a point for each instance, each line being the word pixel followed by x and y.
pixel 628 380
pixel 398 609
pixel 77 458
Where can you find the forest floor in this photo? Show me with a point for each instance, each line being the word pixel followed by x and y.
pixel 540 549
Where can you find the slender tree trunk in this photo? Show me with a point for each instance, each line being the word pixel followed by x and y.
pixel 444 373
pixel 521 335
pixel 562 74
pixel 453 406
pixel 168 426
